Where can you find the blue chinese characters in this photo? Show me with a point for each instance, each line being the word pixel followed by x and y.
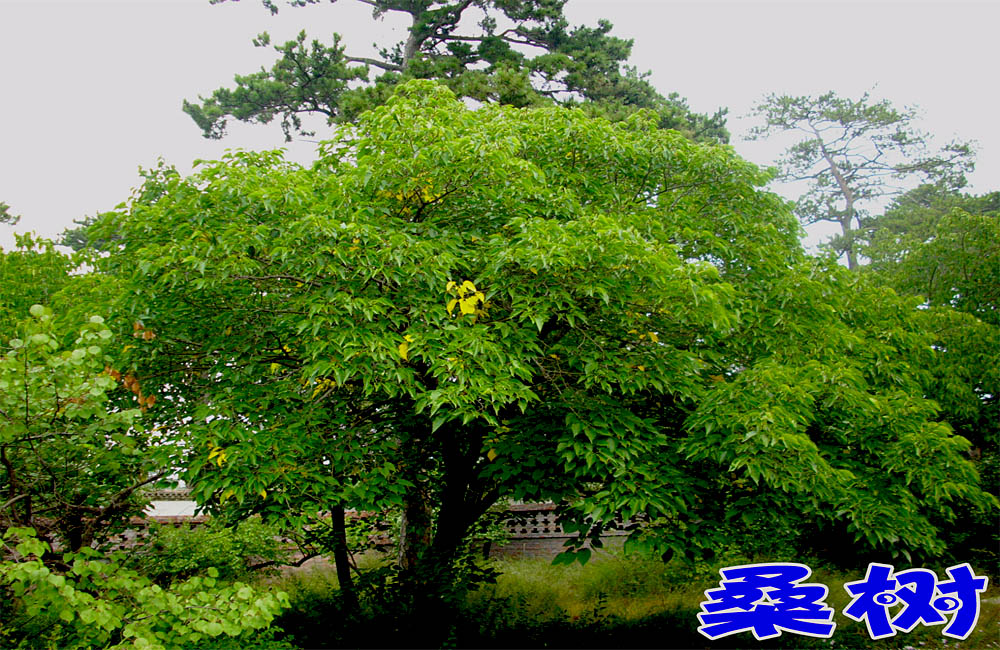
pixel 923 599
pixel 766 599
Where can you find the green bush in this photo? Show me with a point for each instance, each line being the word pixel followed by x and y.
pixel 98 603
pixel 177 553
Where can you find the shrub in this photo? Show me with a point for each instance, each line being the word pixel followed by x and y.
pixel 179 553
pixel 98 603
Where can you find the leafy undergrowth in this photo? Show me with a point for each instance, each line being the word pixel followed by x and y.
pixel 611 602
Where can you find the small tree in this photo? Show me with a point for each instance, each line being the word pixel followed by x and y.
pixel 70 467
pixel 854 153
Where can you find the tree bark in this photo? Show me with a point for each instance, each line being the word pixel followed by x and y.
pixel 341 558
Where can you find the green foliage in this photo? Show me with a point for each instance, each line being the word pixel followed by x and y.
pixel 945 246
pixel 913 218
pixel 521 53
pixel 175 553
pixel 29 275
pixel 6 216
pixel 458 306
pixel 97 603
pixel 853 153
pixel 72 464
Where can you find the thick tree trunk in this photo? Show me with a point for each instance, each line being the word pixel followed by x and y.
pixel 430 586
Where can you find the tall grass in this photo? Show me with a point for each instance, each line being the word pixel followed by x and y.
pixel 613 601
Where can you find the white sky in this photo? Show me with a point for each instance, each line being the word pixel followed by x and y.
pixel 90 91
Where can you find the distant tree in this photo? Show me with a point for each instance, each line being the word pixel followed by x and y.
pixel 852 153
pixel 76 238
pixel 519 52
pixel 6 216
pixel 943 245
pixel 30 274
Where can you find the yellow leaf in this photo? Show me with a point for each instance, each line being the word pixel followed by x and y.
pixel 228 493
pixel 408 338
pixel 554 356
pixel 641 368
pixel 468 305
pixel 653 337
pixel 262 493
pixel 218 454
pixel 404 350
pixel 491 454
pixel 451 285
pixel 633 331
pixel 275 367
pixel 451 306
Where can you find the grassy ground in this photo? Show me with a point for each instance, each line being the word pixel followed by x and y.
pixel 611 602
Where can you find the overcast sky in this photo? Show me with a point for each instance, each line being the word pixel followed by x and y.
pixel 90 91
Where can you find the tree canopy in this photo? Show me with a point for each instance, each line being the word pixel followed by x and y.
pixel 472 305
pixel 941 244
pixel 944 246
pixel 515 52
pixel 852 153
pixel 30 274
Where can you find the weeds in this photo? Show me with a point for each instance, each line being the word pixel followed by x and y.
pixel 613 601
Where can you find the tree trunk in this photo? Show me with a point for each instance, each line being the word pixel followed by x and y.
pixel 845 227
pixel 414 529
pixel 341 557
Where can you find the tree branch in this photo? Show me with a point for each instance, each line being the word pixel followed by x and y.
pixel 385 65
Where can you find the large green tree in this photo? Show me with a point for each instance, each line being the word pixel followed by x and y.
pixel 519 52
pixel 471 305
pixel 854 153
